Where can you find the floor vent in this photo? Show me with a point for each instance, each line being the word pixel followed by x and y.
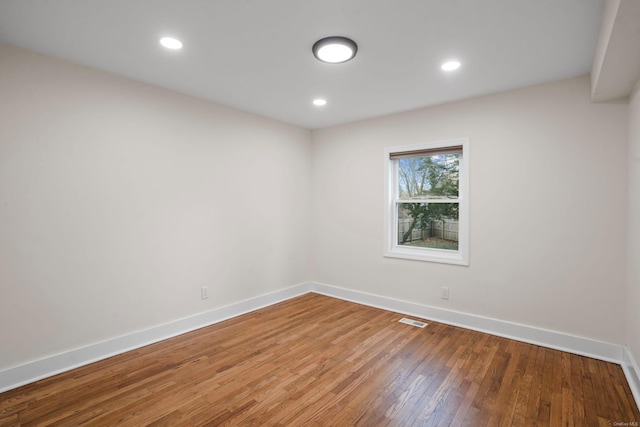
pixel 413 322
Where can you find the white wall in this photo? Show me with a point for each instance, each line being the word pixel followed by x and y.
pixel 119 200
pixel 633 260
pixel 548 216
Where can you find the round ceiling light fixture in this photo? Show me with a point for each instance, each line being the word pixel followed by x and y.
pixel 319 102
pixel 450 66
pixel 171 43
pixel 335 50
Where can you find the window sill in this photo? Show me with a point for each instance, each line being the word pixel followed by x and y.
pixel 428 255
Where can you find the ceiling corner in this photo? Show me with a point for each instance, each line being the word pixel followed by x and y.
pixel 616 63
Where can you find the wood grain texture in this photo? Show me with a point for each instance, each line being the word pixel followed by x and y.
pixel 320 361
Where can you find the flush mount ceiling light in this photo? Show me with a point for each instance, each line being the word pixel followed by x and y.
pixel 335 50
pixel 171 43
pixel 450 65
pixel 319 102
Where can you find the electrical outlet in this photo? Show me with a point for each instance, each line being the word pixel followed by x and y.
pixel 444 293
pixel 204 292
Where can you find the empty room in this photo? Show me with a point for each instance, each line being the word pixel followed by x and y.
pixel 328 213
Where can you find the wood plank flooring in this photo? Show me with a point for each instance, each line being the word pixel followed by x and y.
pixel 320 361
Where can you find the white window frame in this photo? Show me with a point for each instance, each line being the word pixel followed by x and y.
pixel 391 247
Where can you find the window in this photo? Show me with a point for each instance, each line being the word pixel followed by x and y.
pixel 427 202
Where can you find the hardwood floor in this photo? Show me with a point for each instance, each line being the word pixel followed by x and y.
pixel 320 361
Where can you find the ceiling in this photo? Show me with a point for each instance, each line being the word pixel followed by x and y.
pixel 255 55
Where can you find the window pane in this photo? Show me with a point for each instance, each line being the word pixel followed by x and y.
pixel 429 177
pixel 428 225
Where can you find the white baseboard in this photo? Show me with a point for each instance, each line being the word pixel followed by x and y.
pixel 24 374
pixel 631 371
pixel 529 334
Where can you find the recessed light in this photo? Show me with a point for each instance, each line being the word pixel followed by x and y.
pixel 335 50
pixel 171 43
pixel 319 102
pixel 450 65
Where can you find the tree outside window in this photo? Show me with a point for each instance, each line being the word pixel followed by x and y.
pixel 432 177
